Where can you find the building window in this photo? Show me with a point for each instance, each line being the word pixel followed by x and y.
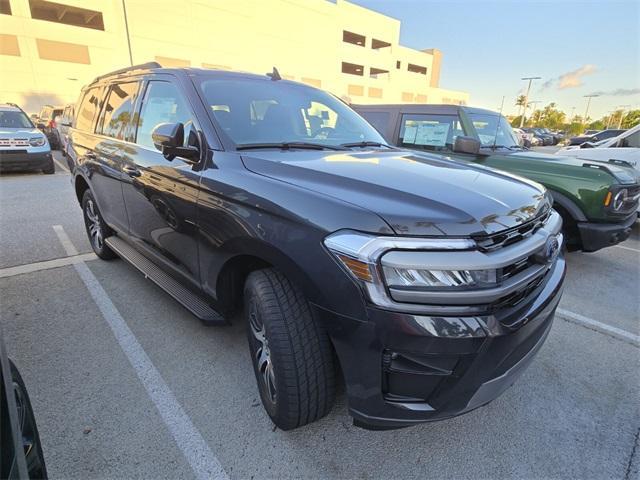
pixel 63 51
pixel 417 69
pixel 352 69
pixel 377 72
pixel 421 98
pixel 353 38
pixel 312 81
pixel 355 90
pixel 5 7
pixel 378 44
pixel 375 92
pixel 407 97
pixel 9 45
pixel 172 62
pixel 398 64
pixel 59 13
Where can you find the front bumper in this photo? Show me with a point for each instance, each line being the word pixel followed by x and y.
pixel 595 236
pixel 403 369
pixel 11 160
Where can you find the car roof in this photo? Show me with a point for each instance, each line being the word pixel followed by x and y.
pixel 424 107
pixel 10 107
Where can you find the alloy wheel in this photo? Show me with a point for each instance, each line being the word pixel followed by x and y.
pixel 94 225
pixel 262 356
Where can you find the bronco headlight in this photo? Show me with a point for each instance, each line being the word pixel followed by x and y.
pixel 619 199
pixel 37 141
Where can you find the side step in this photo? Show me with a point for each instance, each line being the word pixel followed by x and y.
pixel 189 300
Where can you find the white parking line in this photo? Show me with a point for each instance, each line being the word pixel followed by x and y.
pixel 627 248
pixel 599 326
pixel 195 449
pixel 46 265
pixel 61 165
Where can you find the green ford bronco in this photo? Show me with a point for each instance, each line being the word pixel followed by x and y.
pixel 597 200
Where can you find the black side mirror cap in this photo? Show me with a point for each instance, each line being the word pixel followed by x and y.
pixel 40 126
pixel 587 145
pixel 464 144
pixel 169 138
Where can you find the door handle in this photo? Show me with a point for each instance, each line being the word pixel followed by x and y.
pixel 131 171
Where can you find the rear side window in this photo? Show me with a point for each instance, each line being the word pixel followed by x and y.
pixel 430 132
pixel 117 112
pixel 379 120
pixel 163 103
pixel 88 110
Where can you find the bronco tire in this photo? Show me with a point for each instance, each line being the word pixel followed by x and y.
pixel 97 229
pixel 291 353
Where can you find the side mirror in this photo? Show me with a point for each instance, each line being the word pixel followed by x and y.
pixel 169 139
pixel 40 126
pixel 587 145
pixel 464 144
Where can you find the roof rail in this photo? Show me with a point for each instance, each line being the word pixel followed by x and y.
pixel 142 66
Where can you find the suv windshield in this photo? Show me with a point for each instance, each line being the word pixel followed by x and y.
pixel 255 111
pixel 493 130
pixel 14 119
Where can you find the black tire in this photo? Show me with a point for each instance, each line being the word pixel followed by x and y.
pixel 30 435
pixel 50 170
pixel 286 341
pixel 97 229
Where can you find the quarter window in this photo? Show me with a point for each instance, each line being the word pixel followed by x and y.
pixel 430 132
pixel 163 103
pixel 118 110
pixel 88 109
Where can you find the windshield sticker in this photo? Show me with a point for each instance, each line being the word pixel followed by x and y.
pixel 410 134
pixel 432 134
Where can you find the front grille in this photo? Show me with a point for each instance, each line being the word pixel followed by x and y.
pixel 488 243
pixel 12 152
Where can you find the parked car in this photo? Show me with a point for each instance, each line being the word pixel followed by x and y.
pixel 524 138
pixel 431 282
pixel 22 145
pixel 602 135
pixel 623 148
pixel 47 123
pixel 21 454
pixel 597 200
pixel 543 138
pixel 62 127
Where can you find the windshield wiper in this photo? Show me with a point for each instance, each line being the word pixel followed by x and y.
pixel 287 146
pixel 365 144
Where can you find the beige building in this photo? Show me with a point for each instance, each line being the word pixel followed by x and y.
pixel 48 50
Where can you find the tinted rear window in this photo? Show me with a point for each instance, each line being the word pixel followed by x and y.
pixel 88 109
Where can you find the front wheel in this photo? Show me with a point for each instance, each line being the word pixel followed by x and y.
pixel 97 229
pixel 290 351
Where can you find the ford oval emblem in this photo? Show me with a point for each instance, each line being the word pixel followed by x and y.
pixel 550 251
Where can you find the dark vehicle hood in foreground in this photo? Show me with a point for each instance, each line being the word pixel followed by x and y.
pixel 416 194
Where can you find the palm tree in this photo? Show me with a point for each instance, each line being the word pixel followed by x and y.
pixel 520 102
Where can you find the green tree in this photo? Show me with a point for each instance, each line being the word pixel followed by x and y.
pixel 550 117
pixel 520 101
pixel 631 119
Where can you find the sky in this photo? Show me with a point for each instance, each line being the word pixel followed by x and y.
pixel 578 47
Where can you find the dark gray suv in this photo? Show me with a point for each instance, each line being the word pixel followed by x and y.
pixel 430 284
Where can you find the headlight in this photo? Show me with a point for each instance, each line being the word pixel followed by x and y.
pixel 37 141
pixel 445 279
pixel 619 199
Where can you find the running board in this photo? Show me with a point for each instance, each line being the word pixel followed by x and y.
pixel 189 300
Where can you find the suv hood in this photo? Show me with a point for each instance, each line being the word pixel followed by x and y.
pixel 622 173
pixel 416 194
pixel 19 132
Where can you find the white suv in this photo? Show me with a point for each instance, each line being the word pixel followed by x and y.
pixel 22 145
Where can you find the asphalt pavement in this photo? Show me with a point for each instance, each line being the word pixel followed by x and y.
pixel 126 384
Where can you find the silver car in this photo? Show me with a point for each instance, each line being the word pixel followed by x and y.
pixel 22 145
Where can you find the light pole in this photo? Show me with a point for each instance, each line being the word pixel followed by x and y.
pixel 573 109
pixel 586 112
pixel 534 103
pixel 623 107
pixel 526 97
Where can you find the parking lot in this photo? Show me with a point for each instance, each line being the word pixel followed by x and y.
pixel 125 383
